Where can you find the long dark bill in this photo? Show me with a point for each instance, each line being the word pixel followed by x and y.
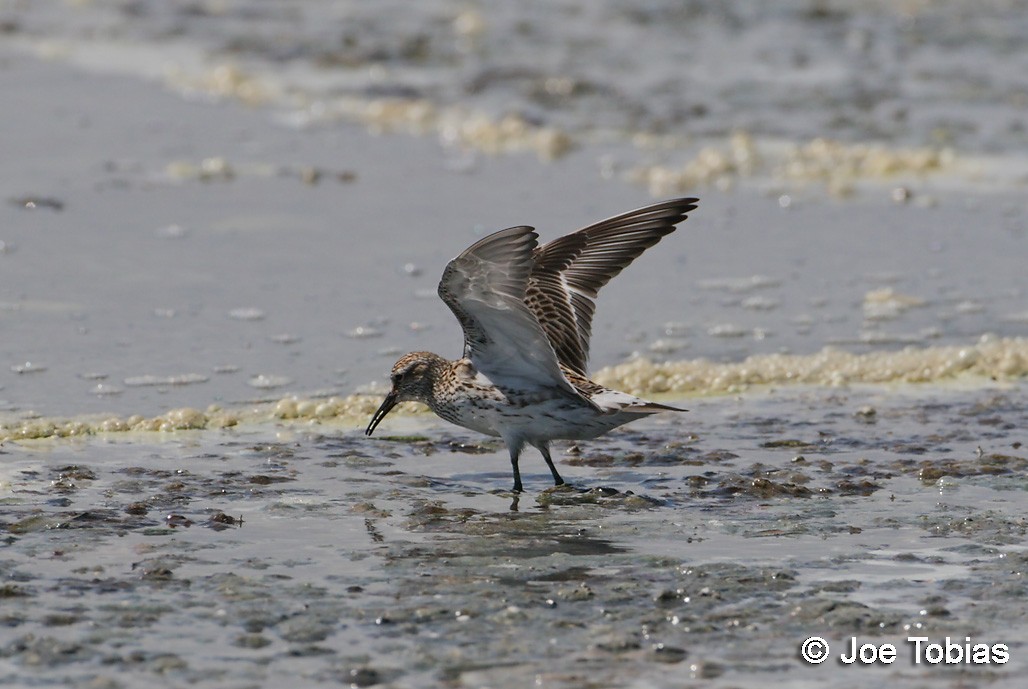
pixel 387 406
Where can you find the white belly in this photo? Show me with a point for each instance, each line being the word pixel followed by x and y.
pixel 547 419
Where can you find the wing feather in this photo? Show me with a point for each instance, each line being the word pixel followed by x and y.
pixel 568 272
pixel 485 288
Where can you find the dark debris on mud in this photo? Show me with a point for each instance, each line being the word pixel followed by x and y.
pixel 406 559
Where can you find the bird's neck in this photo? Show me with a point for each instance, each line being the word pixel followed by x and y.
pixel 435 376
pixel 448 376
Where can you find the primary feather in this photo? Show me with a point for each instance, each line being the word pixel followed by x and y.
pixel 568 272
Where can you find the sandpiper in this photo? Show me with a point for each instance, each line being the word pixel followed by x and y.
pixel 527 312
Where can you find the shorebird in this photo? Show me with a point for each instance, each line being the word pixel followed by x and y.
pixel 527 312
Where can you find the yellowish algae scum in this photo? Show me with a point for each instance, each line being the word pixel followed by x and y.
pixel 468 127
pixel 184 419
pixel 839 166
pixel 224 81
pixel 990 359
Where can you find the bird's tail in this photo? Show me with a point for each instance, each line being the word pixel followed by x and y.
pixel 648 407
pixel 613 401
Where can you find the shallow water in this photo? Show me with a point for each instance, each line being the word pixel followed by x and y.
pixel 145 292
pixel 207 266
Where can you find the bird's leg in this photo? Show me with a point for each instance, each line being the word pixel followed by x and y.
pixel 514 452
pixel 545 449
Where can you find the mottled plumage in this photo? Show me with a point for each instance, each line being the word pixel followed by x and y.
pixel 527 315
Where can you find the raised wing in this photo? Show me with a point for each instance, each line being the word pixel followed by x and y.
pixel 569 271
pixel 485 289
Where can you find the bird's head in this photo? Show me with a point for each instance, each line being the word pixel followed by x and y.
pixel 412 378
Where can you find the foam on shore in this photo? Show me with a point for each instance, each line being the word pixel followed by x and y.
pixel 990 359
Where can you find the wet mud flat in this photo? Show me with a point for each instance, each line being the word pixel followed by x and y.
pixel 688 550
